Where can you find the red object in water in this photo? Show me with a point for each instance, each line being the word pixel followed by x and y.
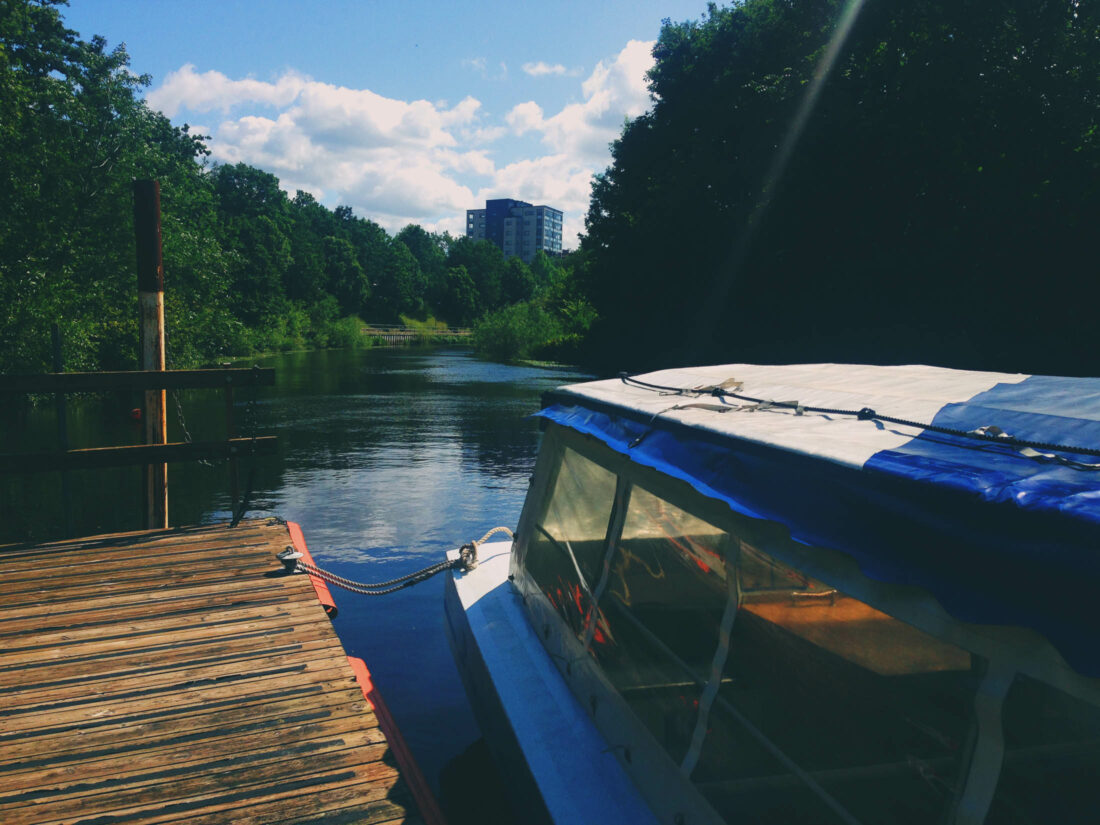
pixel 410 769
pixel 135 414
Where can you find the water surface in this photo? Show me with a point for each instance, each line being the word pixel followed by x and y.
pixel 387 458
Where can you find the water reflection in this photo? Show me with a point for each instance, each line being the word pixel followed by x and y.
pixel 387 458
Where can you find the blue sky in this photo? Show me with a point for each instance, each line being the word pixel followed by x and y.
pixel 407 111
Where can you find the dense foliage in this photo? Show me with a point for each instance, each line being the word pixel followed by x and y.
pixel 919 185
pixel 938 205
pixel 247 267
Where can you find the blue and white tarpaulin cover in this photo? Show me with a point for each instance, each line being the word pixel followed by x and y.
pixel 998 535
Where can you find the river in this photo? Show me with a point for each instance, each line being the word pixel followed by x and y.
pixel 386 457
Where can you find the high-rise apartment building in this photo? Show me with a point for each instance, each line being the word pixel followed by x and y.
pixel 517 227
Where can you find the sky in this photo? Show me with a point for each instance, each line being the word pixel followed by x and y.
pixel 409 112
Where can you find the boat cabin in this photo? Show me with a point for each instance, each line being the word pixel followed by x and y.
pixel 826 593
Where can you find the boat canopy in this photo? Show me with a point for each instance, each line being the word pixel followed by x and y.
pixel 981 488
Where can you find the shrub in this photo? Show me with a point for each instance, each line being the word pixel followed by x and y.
pixel 514 332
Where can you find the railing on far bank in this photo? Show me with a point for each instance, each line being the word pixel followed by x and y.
pixel 395 334
pixel 151 456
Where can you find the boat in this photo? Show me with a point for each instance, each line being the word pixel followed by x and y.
pixel 800 593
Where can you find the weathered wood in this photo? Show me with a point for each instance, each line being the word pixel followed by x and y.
pixel 62 434
pixel 152 556
pixel 68 382
pixel 186 684
pixel 234 470
pixel 62 683
pixel 112 737
pixel 346 727
pixel 150 272
pixel 171 648
pixel 175 538
pixel 17 621
pixel 130 455
pixel 168 596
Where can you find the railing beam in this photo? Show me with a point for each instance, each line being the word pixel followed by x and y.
pixel 136 380
pixel 135 454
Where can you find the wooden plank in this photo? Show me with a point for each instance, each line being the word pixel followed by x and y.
pixel 129 764
pixel 138 380
pixel 131 590
pixel 216 787
pixel 173 535
pixel 112 737
pixel 131 454
pixel 50 558
pixel 123 774
pixel 180 676
pixel 169 569
pixel 253 573
pixel 145 625
pixel 74 678
pixel 227 649
pixel 18 621
pixel 66 565
pixel 156 700
pixel 349 803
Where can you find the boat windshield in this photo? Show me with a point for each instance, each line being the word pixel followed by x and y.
pixel 782 697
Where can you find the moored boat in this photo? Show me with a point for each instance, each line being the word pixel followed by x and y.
pixel 814 593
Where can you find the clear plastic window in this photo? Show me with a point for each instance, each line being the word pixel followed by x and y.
pixel 565 551
pixel 820 686
pixel 662 609
pixel 1052 758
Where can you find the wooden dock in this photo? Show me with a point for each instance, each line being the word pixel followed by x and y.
pixel 179 676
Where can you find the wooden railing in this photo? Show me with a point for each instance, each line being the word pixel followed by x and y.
pixel 401 334
pixel 151 456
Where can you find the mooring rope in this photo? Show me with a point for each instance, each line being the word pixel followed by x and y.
pixel 466 561
pixel 988 434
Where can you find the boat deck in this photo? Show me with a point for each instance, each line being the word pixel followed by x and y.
pixel 180 676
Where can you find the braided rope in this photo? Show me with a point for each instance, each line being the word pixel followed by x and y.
pixel 368 589
pixel 467 560
pixel 987 435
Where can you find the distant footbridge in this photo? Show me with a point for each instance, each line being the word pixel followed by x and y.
pixel 396 334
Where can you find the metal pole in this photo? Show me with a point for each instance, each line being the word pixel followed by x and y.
pixel 150 269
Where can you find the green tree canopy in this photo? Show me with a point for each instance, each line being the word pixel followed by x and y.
pixel 946 172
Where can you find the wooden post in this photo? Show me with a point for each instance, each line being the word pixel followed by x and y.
pixel 150 268
pixel 62 434
pixel 234 472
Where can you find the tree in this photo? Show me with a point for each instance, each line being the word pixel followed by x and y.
pixel 345 278
pixel 951 146
pixel 485 264
pixel 311 223
pixel 73 135
pixel 517 283
pixel 398 283
pixel 429 249
pixel 459 300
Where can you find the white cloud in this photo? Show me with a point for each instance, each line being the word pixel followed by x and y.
pixel 481 66
pixel 475 63
pixel 542 69
pixel 539 69
pixel 525 117
pixel 613 92
pixel 210 91
pixel 398 161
